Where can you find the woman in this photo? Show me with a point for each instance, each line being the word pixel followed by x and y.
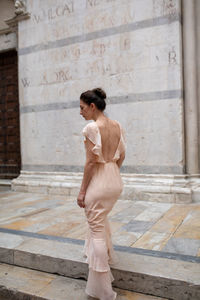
pixel 100 188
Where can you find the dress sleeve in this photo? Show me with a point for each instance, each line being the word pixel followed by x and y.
pixel 91 132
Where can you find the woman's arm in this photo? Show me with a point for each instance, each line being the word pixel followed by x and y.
pixel 121 159
pixel 91 160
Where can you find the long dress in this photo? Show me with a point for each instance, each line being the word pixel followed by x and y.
pixel 102 193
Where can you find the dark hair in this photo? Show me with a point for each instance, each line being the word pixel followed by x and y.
pixel 96 96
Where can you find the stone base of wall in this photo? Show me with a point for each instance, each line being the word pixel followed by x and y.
pixel 159 188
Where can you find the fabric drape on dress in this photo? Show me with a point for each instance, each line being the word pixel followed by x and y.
pixel 102 193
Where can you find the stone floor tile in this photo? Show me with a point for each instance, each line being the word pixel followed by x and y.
pixel 182 246
pixel 152 241
pixel 61 211
pixel 172 219
pixel 192 218
pixel 121 204
pixel 77 232
pixel 40 226
pixel 75 214
pixel 20 224
pixel 152 213
pixel 137 226
pixel 125 238
pixel 128 214
pixel 8 240
pixel 60 215
pixel 59 229
pixel 187 231
pixel 8 220
pixel 115 226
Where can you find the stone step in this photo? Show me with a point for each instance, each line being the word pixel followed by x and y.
pixel 5 185
pixel 5 182
pixel 17 283
pixel 142 272
pixel 143 187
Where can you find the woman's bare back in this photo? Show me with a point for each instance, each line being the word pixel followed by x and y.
pixel 110 137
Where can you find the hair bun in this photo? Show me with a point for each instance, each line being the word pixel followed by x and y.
pixel 100 93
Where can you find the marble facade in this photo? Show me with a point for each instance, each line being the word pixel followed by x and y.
pixel 140 52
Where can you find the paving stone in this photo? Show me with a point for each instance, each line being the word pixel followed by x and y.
pixel 59 229
pixel 182 246
pixel 10 241
pixel 124 238
pixel 39 213
pixel 137 226
pixel 153 213
pixel 19 224
pixel 172 219
pixel 128 214
pixel 152 240
pixel 188 231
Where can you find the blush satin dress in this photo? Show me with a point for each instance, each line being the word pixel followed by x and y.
pixel 102 193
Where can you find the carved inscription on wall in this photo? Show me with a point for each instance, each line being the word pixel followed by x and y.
pixel 172 57
pixel 169 7
pixel 93 3
pixel 165 7
pixel 65 9
pixel 54 12
pixel 25 81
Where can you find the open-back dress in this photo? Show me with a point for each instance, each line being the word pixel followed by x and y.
pixel 102 192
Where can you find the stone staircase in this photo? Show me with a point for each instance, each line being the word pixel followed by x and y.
pixel 22 283
pixel 154 273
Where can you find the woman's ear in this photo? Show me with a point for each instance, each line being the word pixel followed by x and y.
pixel 92 105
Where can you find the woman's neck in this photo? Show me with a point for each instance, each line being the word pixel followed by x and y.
pixel 99 116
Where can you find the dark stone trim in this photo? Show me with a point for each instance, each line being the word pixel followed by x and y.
pixel 130 98
pixel 139 251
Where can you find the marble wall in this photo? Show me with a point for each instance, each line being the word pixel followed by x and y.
pixel 130 48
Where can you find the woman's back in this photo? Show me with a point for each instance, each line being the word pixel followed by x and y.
pixel 110 137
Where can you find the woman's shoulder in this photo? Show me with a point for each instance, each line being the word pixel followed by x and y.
pixel 91 125
pixel 90 128
pixel 117 123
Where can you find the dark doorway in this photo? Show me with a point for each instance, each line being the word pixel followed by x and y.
pixel 10 157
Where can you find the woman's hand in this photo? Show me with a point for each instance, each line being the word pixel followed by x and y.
pixel 81 200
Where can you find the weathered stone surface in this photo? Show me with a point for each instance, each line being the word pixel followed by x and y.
pixel 158 188
pixel 8 41
pixel 144 77
pixel 19 283
pixel 183 246
pixel 147 274
pixel 138 226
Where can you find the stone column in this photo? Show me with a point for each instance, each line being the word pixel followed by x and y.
pixel 190 87
pixel 198 59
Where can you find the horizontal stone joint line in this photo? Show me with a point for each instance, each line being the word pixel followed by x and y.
pixel 130 98
pixel 139 169
pixel 162 20
pixel 139 251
